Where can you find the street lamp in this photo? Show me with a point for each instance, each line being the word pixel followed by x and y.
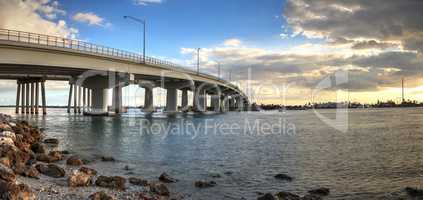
pixel 142 21
pixel 198 61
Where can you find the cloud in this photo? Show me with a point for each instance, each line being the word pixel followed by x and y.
pixel 232 42
pixel 90 18
pixel 381 20
pixel 147 2
pixel 38 16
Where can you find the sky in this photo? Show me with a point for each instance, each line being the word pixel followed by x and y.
pixel 278 51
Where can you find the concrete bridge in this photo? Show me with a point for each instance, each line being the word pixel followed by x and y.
pixel 92 69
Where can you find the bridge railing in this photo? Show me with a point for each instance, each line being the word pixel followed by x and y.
pixel 81 46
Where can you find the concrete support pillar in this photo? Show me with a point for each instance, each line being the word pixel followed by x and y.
pixel 171 100
pixel 215 103
pixel 231 103
pixel 79 98
pixel 75 98
pixel 18 95
pixel 32 97
pixel 200 103
pixel 43 97
pixel 90 93
pixel 148 99
pixel 37 96
pixel 70 97
pixel 239 103
pixel 117 99
pixel 184 100
pixel 84 101
pixel 225 104
pixel 23 92
pixel 99 101
pixel 27 87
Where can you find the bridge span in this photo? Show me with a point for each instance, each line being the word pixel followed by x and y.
pixel 92 69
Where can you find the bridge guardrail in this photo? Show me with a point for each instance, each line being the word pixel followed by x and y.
pixel 81 46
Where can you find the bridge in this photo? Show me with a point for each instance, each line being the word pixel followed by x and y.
pixel 92 70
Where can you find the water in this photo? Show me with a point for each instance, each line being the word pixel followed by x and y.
pixel 380 153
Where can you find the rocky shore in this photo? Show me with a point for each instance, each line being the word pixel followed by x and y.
pixel 32 167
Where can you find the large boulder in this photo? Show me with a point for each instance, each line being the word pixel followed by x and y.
pixel 7 174
pixel 8 134
pixel 12 191
pixel 88 171
pixel 100 196
pixel 55 156
pixel 287 196
pixel 30 171
pixel 39 148
pixel 51 141
pixel 266 196
pixel 113 182
pixel 204 184
pixel 51 170
pixel 138 181
pixel 320 191
pixel 74 161
pixel 80 179
pixel 283 177
pixel 7 141
pixel 166 178
pixel 16 157
pixel 159 189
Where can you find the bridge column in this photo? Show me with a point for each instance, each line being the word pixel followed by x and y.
pixel 231 103
pixel 23 98
pixel 148 99
pixel 184 99
pixel 75 98
pixel 84 97
pixel 99 100
pixel 18 96
pixel 239 103
pixel 90 95
pixel 200 100
pixel 70 96
pixel 27 87
pixel 43 97
pixel 215 103
pixel 37 96
pixel 171 100
pixel 117 99
pixel 32 96
pixel 225 103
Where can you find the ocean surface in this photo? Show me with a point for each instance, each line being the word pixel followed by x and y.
pixel 380 152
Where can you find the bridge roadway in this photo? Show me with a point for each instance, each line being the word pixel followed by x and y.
pixel 92 69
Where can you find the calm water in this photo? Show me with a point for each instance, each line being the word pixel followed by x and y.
pixel 380 153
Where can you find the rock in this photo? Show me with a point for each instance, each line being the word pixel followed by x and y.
pixel 414 192
pixel 267 196
pixel 38 148
pixel 311 197
pixel 7 174
pixel 8 134
pixel 204 184
pixel 115 182
pixel 55 156
pixel 283 177
pixel 6 140
pixel 5 127
pixel 320 191
pixel 74 161
pixel 65 152
pixel 51 141
pixel 160 189
pixel 127 168
pixel 88 171
pixel 228 173
pixel 138 181
pixel 100 196
pixel 107 159
pixel 12 191
pixel 166 178
pixel 42 157
pixel 287 196
pixel 31 172
pixel 5 161
pixel 51 170
pixel 17 158
pixel 79 178
pixel 215 175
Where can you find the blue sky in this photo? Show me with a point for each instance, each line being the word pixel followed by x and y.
pixel 173 24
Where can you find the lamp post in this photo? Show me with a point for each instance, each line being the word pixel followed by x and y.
pixel 198 61
pixel 142 21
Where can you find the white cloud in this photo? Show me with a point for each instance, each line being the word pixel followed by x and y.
pixel 147 2
pixel 34 16
pixel 91 19
pixel 232 42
